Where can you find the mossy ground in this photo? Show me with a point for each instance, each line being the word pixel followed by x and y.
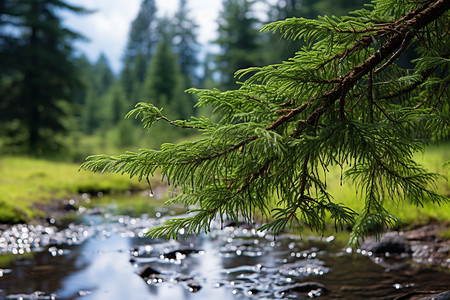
pixel 433 159
pixel 26 183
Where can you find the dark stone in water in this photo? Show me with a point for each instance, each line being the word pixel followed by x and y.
pixel 193 286
pixel 147 271
pixel 391 242
pixel 185 252
pixel 69 207
pixel 234 224
pixel 418 295
pixel 441 296
pixel 38 295
pixel 305 287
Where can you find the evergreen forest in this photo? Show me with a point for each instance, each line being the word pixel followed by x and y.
pixel 293 90
pixel 55 102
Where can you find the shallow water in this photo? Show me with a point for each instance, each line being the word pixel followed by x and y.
pixel 101 255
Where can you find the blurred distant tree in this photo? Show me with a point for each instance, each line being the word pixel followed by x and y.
pixel 282 49
pixel 185 42
pixel 165 83
pixel 338 7
pixel 115 105
pixel 99 79
pixel 38 74
pixel 238 40
pixel 143 39
pixel 103 75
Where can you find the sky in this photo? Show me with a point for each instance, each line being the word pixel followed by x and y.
pixel 107 28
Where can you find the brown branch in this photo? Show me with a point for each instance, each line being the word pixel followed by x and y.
pixel 406 40
pixel 421 103
pixel 384 113
pixel 291 113
pixel 440 96
pixel 370 91
pixel 364 42
pixel 253 98
pixel 303 183
pixel 232 148
pixel 413 21
pixel 342 107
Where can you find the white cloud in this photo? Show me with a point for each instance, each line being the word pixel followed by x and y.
pixel 107 28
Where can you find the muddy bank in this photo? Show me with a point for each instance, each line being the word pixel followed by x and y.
pixel 423 244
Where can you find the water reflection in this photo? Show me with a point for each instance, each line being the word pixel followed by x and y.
pixel 108 257
pixel 108 273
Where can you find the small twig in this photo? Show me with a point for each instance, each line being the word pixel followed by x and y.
pixel 440 96
pixel 253 98
pixel 406 39
pixel 421 103
pixel 384 112
pixel 291 113
pixel 177 125
pixel 370 91
pixel 342 107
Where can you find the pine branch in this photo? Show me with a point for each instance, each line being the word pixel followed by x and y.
pixel 278 134
pixel 401 37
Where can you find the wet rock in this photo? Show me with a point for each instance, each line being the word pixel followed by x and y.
pixel 69 205
pixel 441 296
pixel 253 291
pixel 193 286
pixel 147 271
pixel 391 242
pixel 178 254
pixel 34 296
pixel 234 224
pixel 428 247
pixel 231 223
pixel 418 295
pixel 305 288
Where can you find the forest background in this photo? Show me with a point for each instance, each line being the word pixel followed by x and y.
pixel 58 105
pixel 77 106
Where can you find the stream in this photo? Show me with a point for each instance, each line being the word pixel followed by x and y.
pixel 104 254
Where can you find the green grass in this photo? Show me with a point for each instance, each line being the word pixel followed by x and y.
pixel 27 183
pixel 433 159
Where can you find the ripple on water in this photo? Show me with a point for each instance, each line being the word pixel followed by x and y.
pixel 38 295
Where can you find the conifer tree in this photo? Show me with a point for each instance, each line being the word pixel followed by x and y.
pixel 103 75
pixel 341 101
pixel 143 39
pixel 185 42
pixel 165 83
pixel 38 74
pixel 237 39
pixel 310 9
pixel 100 80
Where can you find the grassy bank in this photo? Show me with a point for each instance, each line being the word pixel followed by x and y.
pixel 26 183
pixel 433 159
